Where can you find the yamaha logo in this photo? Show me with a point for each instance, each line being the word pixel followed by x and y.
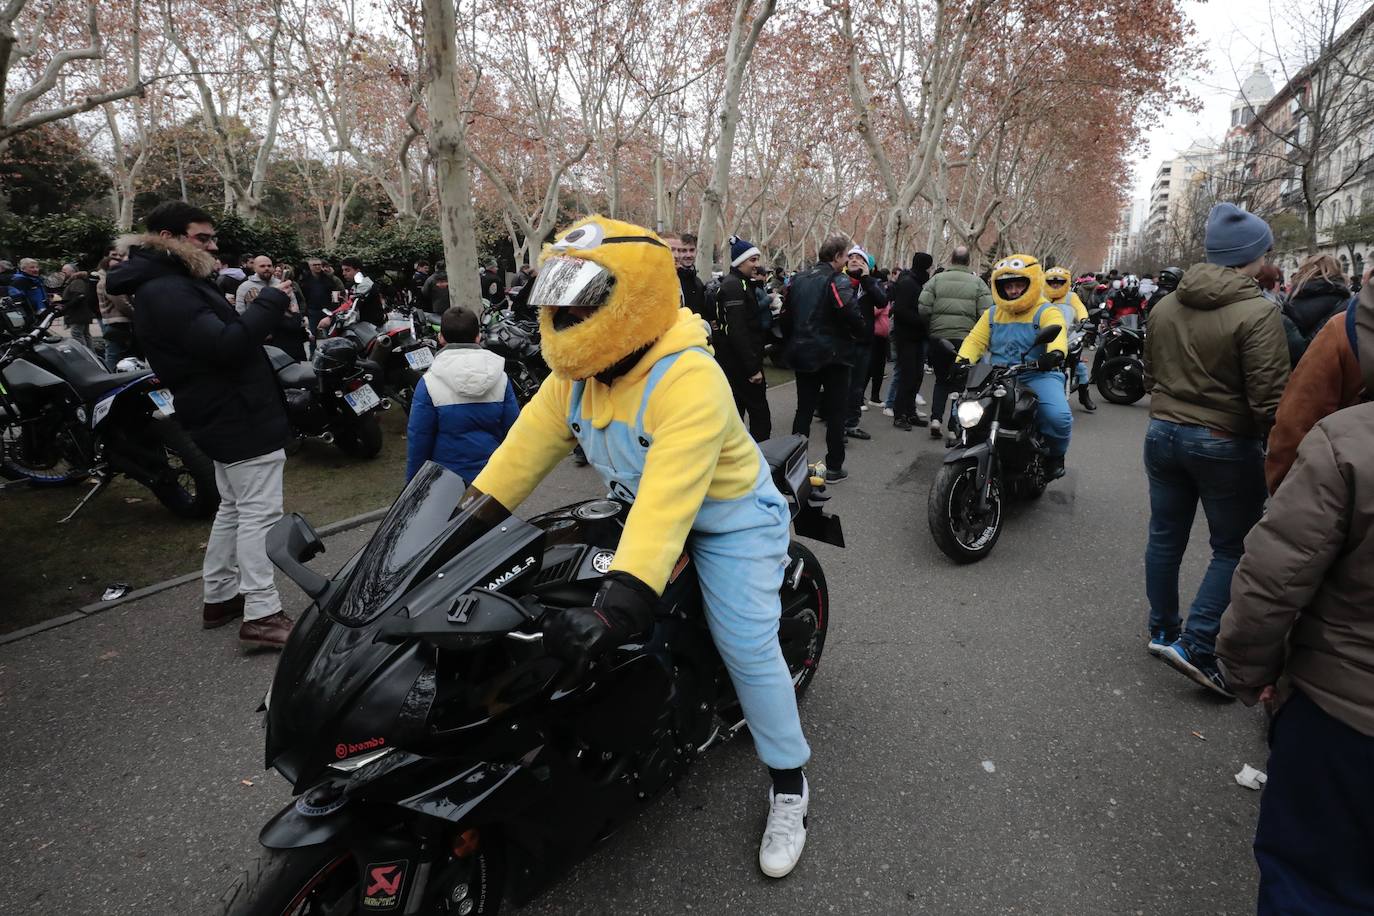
pixel 602 562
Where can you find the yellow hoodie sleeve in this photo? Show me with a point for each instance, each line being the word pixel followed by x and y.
pixel 687 421
pixel 1080 312
pixel 536 443
pixel 976 343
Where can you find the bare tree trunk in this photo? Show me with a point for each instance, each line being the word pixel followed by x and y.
pixel 744 36
pixel 448 139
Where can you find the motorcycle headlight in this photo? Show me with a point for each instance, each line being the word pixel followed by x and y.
pixel 969 413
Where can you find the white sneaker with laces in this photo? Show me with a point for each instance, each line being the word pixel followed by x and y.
pixel 784 836
pixel 887 411
pixel 920 399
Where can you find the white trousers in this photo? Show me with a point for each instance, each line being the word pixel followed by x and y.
pixel 236 554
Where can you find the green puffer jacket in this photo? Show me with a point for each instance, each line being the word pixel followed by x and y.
pixel 952 301
pixel 1216 354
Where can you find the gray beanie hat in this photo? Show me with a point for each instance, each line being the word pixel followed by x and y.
pixel 1235 237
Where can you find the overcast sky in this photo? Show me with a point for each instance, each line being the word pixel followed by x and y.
pixel 1232 32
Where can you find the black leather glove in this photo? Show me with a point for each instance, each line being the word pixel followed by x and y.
pixel 622 609
pixel 1052 359
pixel 958 374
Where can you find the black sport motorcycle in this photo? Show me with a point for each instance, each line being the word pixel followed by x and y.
pixel 1119 364
pixel 516 341
pixel 995 452
pixel 64 419
pixel 331 398
pixel 442 761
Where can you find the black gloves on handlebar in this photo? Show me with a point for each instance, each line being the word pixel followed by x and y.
pixel 622 610
pixel 958 374
pixel 1052 359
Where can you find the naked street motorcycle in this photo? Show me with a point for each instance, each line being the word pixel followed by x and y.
pixel 442 761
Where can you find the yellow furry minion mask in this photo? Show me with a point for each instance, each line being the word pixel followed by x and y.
pixel 1059 292
pixel 1018 283
pixel 605 290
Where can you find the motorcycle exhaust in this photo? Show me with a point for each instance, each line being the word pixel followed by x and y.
pixel 386 404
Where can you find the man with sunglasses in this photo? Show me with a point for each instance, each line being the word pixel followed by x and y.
pixel 226 398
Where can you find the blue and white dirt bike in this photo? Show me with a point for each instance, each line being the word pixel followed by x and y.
pixel 64 419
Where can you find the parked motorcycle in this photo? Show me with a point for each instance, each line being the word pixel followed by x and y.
pixel 401 350
pixel 442 761
pixel 517 342
pixel 64 419
pixel 995 452
pixel 1119 364
pixel 331 398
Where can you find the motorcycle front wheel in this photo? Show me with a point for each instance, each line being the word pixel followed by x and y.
pixel 187 486
pixel 962 533
pixel 1119 380
pixel 325 880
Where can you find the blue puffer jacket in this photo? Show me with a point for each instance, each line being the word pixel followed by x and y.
pixel 462 409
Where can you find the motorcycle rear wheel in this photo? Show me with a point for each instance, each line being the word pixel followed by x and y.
pixel 318 880
pixel 361 440
pixel 188 486
pixel 958 530
pixel 810 600
pixel 1119 386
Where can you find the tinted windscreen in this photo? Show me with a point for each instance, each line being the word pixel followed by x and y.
pixel 425 510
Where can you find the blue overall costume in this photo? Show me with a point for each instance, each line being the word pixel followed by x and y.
pixel 740 549
pixel 1007 341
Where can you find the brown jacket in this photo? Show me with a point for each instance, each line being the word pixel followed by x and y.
pixel 1326 379
pixel 113 309
pixel 1216 354
pixel 1305 587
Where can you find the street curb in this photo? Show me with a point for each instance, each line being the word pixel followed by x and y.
pixel 137 594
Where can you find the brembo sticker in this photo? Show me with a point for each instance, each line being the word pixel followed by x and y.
pixel 344 749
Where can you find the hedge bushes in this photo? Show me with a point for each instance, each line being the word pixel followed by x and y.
pixel 56 238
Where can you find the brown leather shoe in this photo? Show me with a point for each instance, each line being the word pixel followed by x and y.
pixel 218 613
pixel 270 632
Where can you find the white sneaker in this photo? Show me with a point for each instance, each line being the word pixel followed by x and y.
pixel 920 399
pixel 887 411
pixel 863 406
pixel 873 403
pixel 784 836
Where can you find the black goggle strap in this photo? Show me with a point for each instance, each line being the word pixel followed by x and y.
pixel 633 238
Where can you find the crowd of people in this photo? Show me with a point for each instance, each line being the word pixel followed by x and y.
pixel 1258 413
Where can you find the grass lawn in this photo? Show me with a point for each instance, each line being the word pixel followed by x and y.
pixel 125 535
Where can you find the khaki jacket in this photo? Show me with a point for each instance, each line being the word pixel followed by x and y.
pixel 1216 354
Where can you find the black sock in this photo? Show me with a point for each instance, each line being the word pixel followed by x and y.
pixel 787 782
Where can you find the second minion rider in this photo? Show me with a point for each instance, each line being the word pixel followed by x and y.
pixel 1007 330
pixel 1059 291
pixel 634 384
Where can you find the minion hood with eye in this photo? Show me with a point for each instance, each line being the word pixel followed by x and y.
pixel 1018 283
pixel 1063 291
pixel 606 291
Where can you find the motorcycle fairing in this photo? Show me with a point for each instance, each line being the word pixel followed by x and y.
pixel 101 410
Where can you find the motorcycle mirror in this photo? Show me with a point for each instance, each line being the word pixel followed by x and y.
pixel 1048 333
pixel 290 543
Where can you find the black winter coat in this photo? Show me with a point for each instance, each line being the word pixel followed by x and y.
pixel 210 356
pixel 906 313
pixel 694 295
pixel 868 295
pixel 739 345
pixel 825 320
pixel 1314 303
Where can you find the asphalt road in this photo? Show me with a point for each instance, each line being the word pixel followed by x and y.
pixel 988 739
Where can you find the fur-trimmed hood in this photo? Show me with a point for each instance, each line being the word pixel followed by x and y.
pixel 151 256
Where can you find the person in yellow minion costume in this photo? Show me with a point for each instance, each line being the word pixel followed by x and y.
pixel 1059 292
pixel 1007 330
pixel 635 384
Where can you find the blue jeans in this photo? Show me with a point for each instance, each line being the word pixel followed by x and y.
pixel 1186 464
pixel 1052 415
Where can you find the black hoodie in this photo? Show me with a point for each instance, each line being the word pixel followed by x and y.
pixel 208 355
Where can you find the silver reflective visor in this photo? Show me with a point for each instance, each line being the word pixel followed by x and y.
pixel 564 282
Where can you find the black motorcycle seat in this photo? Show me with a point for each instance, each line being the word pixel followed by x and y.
pixel 780 450
pixel 296 375
pixel 92 383
pixel 278 357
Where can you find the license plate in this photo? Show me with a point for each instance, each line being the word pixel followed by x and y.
pixel 362 400
pixel 163 399
pixel 420 358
